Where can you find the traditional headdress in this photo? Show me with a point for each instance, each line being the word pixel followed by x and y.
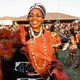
pixel 40 7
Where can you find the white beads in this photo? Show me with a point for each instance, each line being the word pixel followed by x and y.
pixel 32 33
pixel 33 53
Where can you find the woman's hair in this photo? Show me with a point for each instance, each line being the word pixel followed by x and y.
pixel 38 6
pixel 72 32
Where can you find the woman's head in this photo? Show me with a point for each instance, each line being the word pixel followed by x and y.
pixel 36 15
pixel 38 6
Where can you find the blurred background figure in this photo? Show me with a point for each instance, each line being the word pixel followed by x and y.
pixel 73 49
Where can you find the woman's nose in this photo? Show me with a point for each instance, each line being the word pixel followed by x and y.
pixel 34 17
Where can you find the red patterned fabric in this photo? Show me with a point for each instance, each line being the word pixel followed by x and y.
pixel 4 33
pixel 55 70
pixel 5 46
pixel 59 75
pixel 39 52
pixel 5 43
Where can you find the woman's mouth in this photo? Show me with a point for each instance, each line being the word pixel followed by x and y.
pixel 34 22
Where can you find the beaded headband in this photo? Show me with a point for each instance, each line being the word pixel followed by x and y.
pixel 40 7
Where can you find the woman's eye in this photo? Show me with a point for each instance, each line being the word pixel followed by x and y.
pixel 38 16
pixel 31 15
pixel 35 16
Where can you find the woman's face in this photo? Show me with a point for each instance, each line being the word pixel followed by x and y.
pixel 35 18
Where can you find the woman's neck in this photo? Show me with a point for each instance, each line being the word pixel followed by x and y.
pixel 36 32
pixel 36 29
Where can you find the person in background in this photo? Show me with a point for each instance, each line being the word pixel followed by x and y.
pixel 55 40
pixel 78 40
pixel 56 43
pixel 37 46
pixel 52 27
pixel 48 25
pixel 73 49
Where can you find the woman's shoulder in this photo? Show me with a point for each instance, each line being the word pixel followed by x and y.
pixel 78 34
pixel 51 34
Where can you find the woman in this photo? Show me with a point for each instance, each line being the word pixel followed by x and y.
pixel 78 40
pixel 73 49
pixel 56 43
pixel 38 45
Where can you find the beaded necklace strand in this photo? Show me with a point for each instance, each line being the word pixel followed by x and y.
pixel 32 50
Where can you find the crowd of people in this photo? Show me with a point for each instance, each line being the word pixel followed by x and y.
pixel 70 31
pixel 64 28
pixel 39 45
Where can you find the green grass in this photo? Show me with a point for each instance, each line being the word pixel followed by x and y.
pixel 64 58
